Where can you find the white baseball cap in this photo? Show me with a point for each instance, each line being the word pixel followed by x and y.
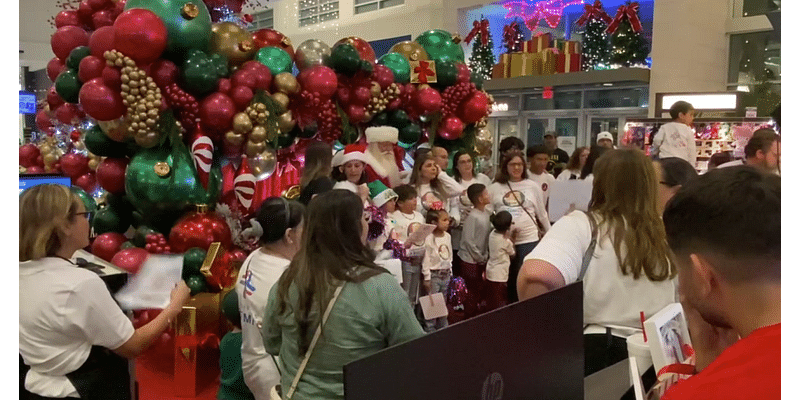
pixel 604 135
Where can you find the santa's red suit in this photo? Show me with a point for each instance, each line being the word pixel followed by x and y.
pixel 375 169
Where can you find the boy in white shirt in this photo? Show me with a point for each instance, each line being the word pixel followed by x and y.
pixel 676 138
pixel 501 249
pixel 538 157
pixel 404 221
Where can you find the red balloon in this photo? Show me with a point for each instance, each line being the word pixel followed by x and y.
pixel 66 39
pixel 243 77
pixel 90 67
pixel 43 120
pixel 130 259
pixel 428 100
pixel 98 4
pixel 319 79
pixel 140 34
pixel 28 155
pixel 54 68
pixel 34 169
pixel 364 49
pixel 53 99
pixel 85 12
pixel 111 175
pixel 224 85
pixel 361 96
pixel 101 41
pixel 241 96
pixel 356 113
pixel 74 165
pixel 216 112
pixel 451 128
pixel 102 18
pixel 67 113
pixel 112 78
pixel 119 7
pixel 107 245
pixel 474 108
pixel 199 230
pixel 343 94
pixel 263 77
pixel 383 75
pixel 252 65
pixel 164 73
pixel 67 18
pixel 87 182
pixel 463 73
pixel 271 37
pixel 100 101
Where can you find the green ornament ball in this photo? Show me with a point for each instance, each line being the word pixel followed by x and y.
pixel 399 119
pixel 399 66
pixel 127 245
pixel 446 74
pixel 197 284
pixel 111 219
pixel 76 55
pixel 201 72
pixel 410 134
pixel 86 199
pixel 287 139
pixel 68 85
pixel 188 24
pixel 276 59
pixel 98 143
pixel 140 235
pixel 439 46
pixel 193 261
pixel 345 59
pixel 380 119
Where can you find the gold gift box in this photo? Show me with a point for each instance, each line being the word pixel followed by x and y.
pixel 525 64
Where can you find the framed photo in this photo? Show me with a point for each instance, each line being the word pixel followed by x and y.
pixel 667 333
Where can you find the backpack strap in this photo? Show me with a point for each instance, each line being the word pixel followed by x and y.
pixel 587 256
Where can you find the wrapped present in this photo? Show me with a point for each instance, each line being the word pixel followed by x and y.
pixel 548 57
pixel 538 43
pixel 568 62
pixel 505 58
pixel 567 46
pixel 423 71
pixel 524 64
pixel 500 71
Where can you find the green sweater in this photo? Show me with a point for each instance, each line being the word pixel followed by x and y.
pixel 367 317
pixel 231 383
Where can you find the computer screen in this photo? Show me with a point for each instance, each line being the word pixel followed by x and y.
pixel 30 180
pixel 27 103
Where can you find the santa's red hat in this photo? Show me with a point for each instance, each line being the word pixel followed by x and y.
pixel 353 152
pixel 376 134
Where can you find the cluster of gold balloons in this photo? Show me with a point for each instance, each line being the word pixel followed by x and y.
pixel 141 96
pixel 285 85
pixel 413 51
pixel 381 99
pixel 50 152
pixel 251 126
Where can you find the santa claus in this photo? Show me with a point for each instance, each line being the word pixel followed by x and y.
pixel 383 157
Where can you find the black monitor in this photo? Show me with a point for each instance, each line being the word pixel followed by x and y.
pixel 528 350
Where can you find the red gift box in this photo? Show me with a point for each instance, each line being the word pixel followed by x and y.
pixel 500 71
pixel 567 46
pixel 538 43
pixel 568 62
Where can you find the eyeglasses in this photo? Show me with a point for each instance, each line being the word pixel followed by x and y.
pixel 87 214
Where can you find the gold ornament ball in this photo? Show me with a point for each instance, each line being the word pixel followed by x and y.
pixel 242 123
pixel 375 89
pixel 50 159
pixel 286 122
pixel 251 149
pixel 282 99
pixel 93 163
pixel 234 139
pixel 286 82
pixel 259 134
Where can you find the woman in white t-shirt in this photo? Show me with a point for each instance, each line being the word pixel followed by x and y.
pixel 575 165
pixel 463 173
pixel 630 270
pixel 523 198
pixel 281 222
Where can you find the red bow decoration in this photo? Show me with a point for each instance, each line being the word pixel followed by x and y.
pixel 423 71
pixel 594 11
pixel 479 27
pixel 632 12
pixel 510 37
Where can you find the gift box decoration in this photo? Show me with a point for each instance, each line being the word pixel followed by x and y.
pixel 538 43
pixel 500 71
pixel 423 71
pixel 505 58
pixel 568 62
pixel 525 64
pixel 567 46
pixel 548 61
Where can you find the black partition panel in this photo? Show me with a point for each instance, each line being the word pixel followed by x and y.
pixel 528 350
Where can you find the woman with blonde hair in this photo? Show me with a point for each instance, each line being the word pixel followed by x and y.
pixel 618 249
pixel 71 332
pixel 434 187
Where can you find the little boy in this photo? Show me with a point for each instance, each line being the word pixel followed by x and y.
pixel 385 200
pixel 676 138
pixel 404 222
pixel 231 382
pixel 474 245
pixel 437 263
pixel 538 157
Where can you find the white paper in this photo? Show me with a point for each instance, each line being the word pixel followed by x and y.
pixel 152 285
pixel 394 266
pixel 636 379
pixel 433 306
pixel 418 236
pixel 566 196
pixel 667 332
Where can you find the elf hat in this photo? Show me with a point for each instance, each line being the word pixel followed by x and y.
pixel 379 193
pixel 353 152
pixel 377 134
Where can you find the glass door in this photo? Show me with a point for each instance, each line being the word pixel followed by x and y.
pixel 603 124
pixel 536 129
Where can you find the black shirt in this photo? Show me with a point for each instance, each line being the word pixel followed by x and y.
pixel 316 186
pixel 558 161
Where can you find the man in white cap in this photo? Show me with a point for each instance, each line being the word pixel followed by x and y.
pixel 605 139
pixel 383 162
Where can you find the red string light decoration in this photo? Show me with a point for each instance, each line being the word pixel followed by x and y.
pixel 549 10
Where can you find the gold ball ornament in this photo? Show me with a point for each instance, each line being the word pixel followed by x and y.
pixel 259 134
pixel 242 123
pixel 231 41
pixel 234 139
pixel 50 158
pixel 251 149
pixel 93 163
pixel 285 122
pixel 282 99
pixel 286 82
pixel 412 51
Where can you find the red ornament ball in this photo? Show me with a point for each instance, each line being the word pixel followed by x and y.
pixel 55 67
pixel 29 155
pixel 66 39
pixel 100 101
pixel 451 128
pixel 90 67
pixel 319 80
pixel 199 230
pixel 131 259
pixel 101 41
pixel 107 245
pixel 67 18
pixel 140 34
pixel 87 182
pixel 216 112
pixel 241 96
pixel 111 175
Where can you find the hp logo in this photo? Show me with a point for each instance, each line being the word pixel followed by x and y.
pixel 493 387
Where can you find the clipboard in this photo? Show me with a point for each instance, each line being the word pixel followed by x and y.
pixel 433 306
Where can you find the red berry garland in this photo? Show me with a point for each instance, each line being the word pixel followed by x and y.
pixel 184 104
pixel 157 244
pixel 454 95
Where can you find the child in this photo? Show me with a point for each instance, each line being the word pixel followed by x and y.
pixel 403 222
pixel 231 382
pixel 501 249
pixel 676 138
pixel 437 262
pixel 385 200
pixel 474 245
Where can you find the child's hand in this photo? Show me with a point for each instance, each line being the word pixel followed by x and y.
pixel 426 286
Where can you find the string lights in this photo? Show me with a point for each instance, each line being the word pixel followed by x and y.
pixel 549 10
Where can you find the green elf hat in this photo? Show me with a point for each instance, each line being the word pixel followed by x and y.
pixel 379 193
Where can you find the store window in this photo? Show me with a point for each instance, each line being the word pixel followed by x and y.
pixel 613 98
pixel 362 6
pixel 567 100
pixel 759 7
pixel 754 68
pixel 317 11
pixel 505 103
pixel 263 20
pixel 535 101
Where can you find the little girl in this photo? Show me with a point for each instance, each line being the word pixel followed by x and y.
pixel 501 249
pixel 437 263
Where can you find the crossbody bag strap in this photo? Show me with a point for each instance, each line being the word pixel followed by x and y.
pixel 587 256
pixel 522 205
pixel 313 343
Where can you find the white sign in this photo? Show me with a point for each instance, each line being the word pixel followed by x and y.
pixel 567 143
pixel 751 112
pixel 566 196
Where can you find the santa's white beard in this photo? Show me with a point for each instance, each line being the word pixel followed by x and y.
pixel 386 165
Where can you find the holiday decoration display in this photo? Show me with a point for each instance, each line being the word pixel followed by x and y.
pixel 549 10
pixel 482 58
pixel 513 38
pixel 595 39
pixel 628 45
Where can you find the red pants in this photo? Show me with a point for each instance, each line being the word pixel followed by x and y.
pixel 473 275
pixel 496 295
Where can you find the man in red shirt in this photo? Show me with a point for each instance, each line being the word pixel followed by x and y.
pixel 725 230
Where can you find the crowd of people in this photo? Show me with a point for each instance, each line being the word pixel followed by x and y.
pixel 654 233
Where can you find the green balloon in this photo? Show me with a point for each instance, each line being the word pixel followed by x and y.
pixel 409 135
pixel 140 236
pixel 163 199
pixel 68 85
pixel 345 59
pixel 477 79
pixel 127 245
pixel 399 119
pixel 439 46
pixel 88 201
pixel 201 73
pixel 197 284
pixel 98 143
pixel 184 33
pixel 287 139
pixel 399 66
pixel 220 63
pixel 193 261
pixel 110 219
pixel 446 74
pixel 277 60
pixel 380 119
pixel 76 55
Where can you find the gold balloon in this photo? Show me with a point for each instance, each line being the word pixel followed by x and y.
pixel 234 139
pixel 286 82
pixel 375 89
pixel 286 122
pixel 116 130
pixel 251 149
pixel 282 99
pixel 148 140
pixel 259 134
pixel 49 159
pixel 231 41
pixel 242 123
pixel 263 164
pixel 93 163
pixel 412 51
pixel 45 148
